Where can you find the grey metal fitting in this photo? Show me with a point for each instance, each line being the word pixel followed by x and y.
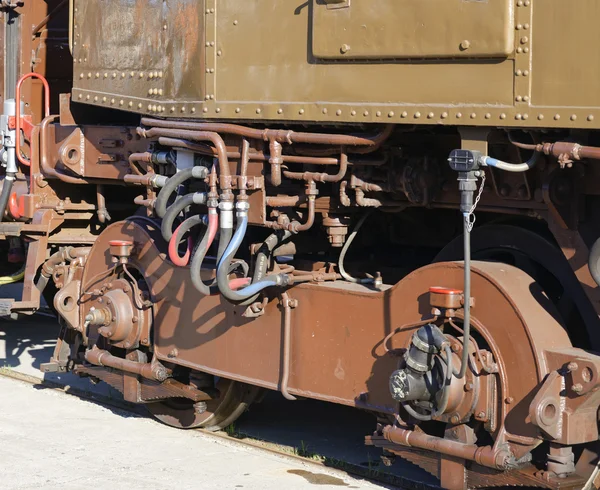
pixel 163 157
pixel 200 172
pixel 226 206
pixel 199 197
pixel 159 180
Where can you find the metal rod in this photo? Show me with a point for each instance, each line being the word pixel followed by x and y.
pixel 287 343
pixel 484 455
pixel 467 297
pixel 100 357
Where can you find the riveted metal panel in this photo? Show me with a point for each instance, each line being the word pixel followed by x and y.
pixel 254 60
pixel 134 53
pixel 566 67
pixel 384 29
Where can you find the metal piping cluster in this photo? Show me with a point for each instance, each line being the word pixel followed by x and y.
pixel 221 206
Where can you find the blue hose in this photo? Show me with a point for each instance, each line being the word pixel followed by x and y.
pixel 223 268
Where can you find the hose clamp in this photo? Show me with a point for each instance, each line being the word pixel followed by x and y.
pixel 226 206
pixel 199 197
pixel 199 172
pixel 242 206
pixel 159 180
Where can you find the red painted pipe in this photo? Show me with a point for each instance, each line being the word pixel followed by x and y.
pixel 18 110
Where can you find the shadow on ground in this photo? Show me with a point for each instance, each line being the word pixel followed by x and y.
pixel 327 432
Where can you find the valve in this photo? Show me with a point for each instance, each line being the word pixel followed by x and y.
pixel 466 163
pixel 120 250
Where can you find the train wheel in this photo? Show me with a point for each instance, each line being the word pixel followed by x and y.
pixel 234 400
pixel 544 261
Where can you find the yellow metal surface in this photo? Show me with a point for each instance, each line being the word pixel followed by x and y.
pixel 400 29
pixel 520 63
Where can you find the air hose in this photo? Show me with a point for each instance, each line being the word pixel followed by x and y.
pixel 344 251
pixel 225 262
pixel 16 277
pixel 9 180
pixel 201 249
pixel 181 230
pixel 176 208
pixel 262 258
pixel 173 183
pixel 511 167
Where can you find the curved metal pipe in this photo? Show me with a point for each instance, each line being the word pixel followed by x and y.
pixel 214 138
pixel 281 136
pixel 320 176
pixel 287 344
pixel 18 111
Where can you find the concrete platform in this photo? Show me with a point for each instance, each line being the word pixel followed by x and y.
pixel 51 440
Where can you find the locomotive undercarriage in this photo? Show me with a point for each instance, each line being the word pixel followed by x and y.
pixel 378 325
pixel 286 246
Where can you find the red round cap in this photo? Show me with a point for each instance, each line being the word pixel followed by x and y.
pixel 443 290
pixel 120 243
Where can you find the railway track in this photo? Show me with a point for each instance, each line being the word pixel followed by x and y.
pixel 372 471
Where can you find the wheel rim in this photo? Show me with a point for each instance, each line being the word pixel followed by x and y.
pixel 543 261
pixel 220 412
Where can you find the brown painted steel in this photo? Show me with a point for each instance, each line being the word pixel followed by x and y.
pixel 341 344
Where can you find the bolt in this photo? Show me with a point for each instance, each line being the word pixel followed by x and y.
pixel 454 419
pixel 577 388
pixel 469 387
pixel 344 48
pixel 127 344
pixel 481 414
pixel 173 353
pixel 454 347
pixel 134 319
pixel 200 407
pixel 572 366
pixel 388 459
pixel 508 400
pixel 144 341
pixel 465 45
pixel 161 374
